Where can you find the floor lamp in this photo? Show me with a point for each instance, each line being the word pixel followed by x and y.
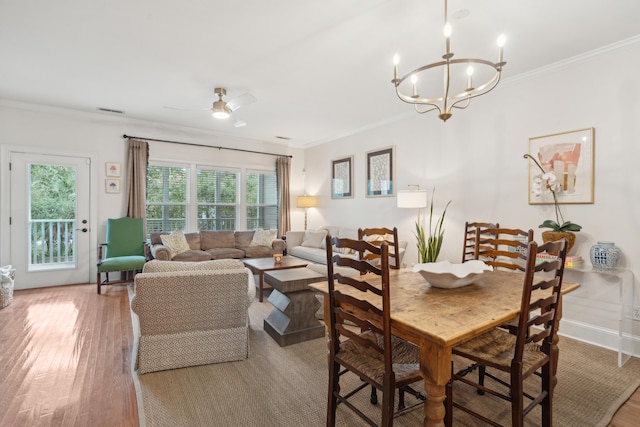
pixel 414 198
pixel 307 202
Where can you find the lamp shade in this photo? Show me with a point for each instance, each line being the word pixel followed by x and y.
pixel 307 201
pixel 412 199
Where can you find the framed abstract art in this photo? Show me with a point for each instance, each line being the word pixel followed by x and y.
pixel 569 156
pixel 381 172
pixel 342 178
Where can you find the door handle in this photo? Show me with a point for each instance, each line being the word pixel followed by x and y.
pixel 84 230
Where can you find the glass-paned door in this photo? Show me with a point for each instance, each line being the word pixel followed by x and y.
pixel 50 219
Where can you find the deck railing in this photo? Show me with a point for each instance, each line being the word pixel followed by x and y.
pixel 52 241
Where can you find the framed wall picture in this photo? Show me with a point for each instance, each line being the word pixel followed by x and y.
pixel 342 178
pixel 569 156
pixel 112 169
pixel 112 185
pixel 381 172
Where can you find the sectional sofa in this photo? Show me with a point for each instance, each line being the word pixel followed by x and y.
pixel 310 244
pixel 210 245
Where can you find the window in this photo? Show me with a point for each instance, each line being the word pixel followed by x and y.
pixel 192 197
pixel 167 198
pixel 217 199
pixel 261 200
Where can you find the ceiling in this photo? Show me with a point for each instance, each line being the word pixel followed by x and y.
pixel 318 69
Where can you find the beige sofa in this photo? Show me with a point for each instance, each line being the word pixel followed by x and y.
pixel 310 244
pixel 208 244
pixel 192 313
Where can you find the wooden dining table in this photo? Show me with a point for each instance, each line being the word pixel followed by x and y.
pixel 438 319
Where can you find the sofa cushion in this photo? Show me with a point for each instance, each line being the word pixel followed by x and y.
pixel 175 242
pixel 226 252
pixel 217 239
pixel 192 256
pixel 314 238
pixel 194 240
pixel 155 238
pixel 243 238
pixel 258 251
pixel 156 266
pixel 263 237
pixel 310 254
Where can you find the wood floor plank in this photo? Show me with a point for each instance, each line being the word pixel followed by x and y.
pixel 65 358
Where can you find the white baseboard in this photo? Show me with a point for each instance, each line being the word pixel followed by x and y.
pixel 602 337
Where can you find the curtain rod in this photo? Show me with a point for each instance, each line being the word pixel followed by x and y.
pixel 207 146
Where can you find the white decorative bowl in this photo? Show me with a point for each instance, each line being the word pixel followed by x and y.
pixel 446 275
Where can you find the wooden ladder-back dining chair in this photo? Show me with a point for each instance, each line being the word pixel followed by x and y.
pixel 522 355
pixel 506 249
pixel 360 339
pixel 475 235
pixel 378 235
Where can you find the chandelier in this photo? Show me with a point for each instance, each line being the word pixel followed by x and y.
pixel 445 103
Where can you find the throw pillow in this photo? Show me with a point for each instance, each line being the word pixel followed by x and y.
pixel 176 242
pixel 313 238
pixel 263 237
pixel 346 251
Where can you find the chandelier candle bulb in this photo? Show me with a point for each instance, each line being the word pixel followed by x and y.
pixel 469 76
pixel 396 60
pixel 414 79
pixel 447 40
pixel 501 41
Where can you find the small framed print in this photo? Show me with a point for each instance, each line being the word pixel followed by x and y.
pixel 112 185
pixel 113 169
pixel 380 172
pixel 342 178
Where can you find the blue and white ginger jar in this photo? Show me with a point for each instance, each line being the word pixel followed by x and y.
pixel 604 255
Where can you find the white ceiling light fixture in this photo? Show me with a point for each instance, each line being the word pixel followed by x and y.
pixel 445 103
pixel 221 109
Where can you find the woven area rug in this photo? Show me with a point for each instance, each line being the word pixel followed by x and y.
pixel 287 386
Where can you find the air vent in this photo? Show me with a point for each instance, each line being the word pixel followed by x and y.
pixel 109 110
pixel 286 138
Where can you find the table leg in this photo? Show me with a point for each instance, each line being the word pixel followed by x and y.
pixel 260 284
pixel 555 351
pixel 435 366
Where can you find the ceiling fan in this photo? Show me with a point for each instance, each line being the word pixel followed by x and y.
pixel 222 109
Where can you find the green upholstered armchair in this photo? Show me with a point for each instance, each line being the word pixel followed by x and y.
pixel 124 251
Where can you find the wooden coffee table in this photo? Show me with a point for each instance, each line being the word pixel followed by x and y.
pixel 293 318
pixel 260 265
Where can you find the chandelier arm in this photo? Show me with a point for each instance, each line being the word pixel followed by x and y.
pixel 455 104
pixel 485 88
pixel 413 100
pixel 434 107
pixel 447 76
pixel 460 96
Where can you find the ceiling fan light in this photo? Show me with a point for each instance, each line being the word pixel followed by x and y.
pixel 220 110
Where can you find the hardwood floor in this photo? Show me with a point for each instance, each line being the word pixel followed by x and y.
pixel 65 360
pixel 628 414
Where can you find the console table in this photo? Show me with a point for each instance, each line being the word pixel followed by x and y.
pixel 629 313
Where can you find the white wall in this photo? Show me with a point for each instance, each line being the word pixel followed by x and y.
pixel 100 135
pixel 475 160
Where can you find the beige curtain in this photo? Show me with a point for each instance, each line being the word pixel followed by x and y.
pixel 137 162
pixel 283 167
